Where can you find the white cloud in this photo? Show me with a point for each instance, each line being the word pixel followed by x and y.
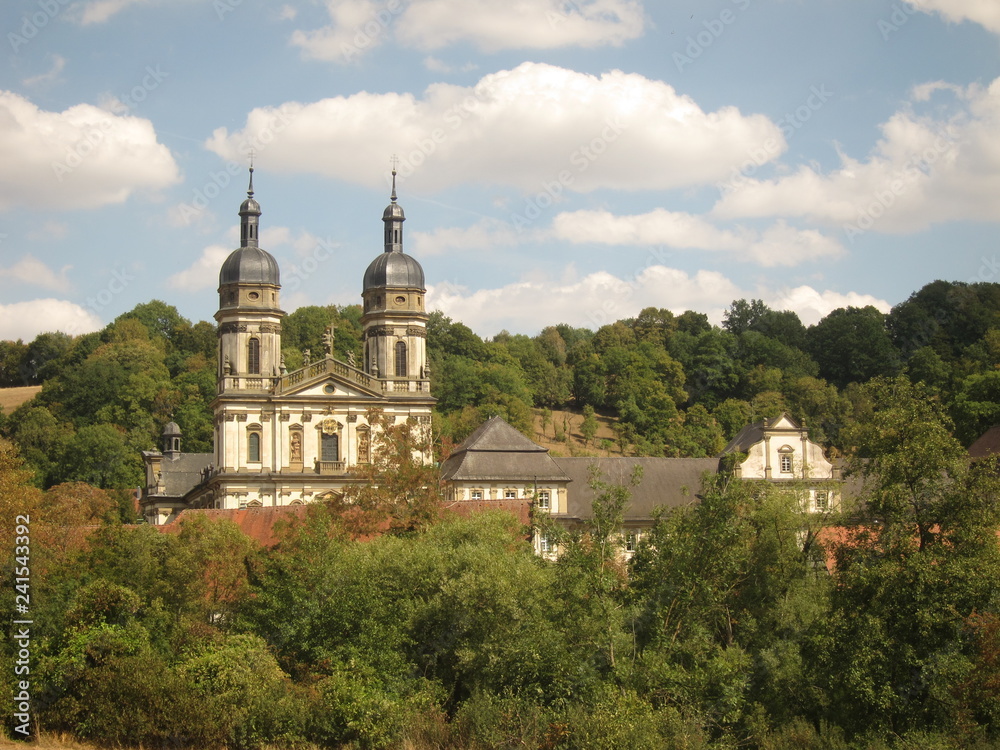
pixel 778 245
pixel 100 11
pixel 485 233
pixel 50 230
pixel 358 26
pixel 601 298
pixel 30 271
pixel 25 320
pixel 924 170
pixel 984 12
pixel 58 63
pixel 203 273
pixel 83 157
pixel 538 127
pixel 811 305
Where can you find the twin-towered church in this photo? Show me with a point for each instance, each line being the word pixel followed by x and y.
pixel 289 438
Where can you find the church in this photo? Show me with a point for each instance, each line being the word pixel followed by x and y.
pixel 290 438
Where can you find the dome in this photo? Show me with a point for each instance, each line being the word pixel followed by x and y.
pixel 249 265
pixel 250 206
pixel 394 269
pixel 171 429
pixel 393 211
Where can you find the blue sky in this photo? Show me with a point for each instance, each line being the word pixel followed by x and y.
pixel 558 161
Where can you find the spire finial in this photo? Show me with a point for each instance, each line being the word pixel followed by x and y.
pixel 394 161
pixel 250 188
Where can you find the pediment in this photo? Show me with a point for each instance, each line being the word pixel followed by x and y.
pixel 330 378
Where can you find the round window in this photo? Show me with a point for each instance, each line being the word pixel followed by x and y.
pixel 254 295
pixel 329 389
pixel 401 300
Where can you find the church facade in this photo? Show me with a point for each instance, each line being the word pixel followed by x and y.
pixel 289 438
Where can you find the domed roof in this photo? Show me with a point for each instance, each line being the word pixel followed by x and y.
pixel 250 206
pixel 393 211
pixel 394 269
pixel 250 265
pixel 171 429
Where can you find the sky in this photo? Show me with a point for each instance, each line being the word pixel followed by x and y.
pixel 559 161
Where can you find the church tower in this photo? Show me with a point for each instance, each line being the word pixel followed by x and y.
pixel 249 315
pixel 395 318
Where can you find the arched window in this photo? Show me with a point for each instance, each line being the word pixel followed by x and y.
pixel 400 359
pixel 329 447
pixel 253 357
pixel 253 447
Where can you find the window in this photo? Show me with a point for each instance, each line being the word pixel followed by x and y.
pixel 476 495
pixel 253 357
pixel 785 462
pixel 253 447
pixel 400 359
pixel 543 499
pixel 631 540
pixel 329 447
pixel 510 494
pixel 546 544
pixel 822 500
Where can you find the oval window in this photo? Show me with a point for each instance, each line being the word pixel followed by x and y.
pixel 254 295
pixel 400 300
pixel 329 389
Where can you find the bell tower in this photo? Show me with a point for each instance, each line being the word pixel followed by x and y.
pixel 395 316
pixel 249 315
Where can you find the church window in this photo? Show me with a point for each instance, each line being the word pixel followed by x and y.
pixel 543 499
pixel 400 359
pixel 253 447
pixel 329 447
pixel 253 357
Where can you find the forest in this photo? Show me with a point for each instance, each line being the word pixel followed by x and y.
pixel 739 622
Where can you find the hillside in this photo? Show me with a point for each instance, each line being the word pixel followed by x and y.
pixel 11 398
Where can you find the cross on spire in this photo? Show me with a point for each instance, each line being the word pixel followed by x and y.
pixel 394 160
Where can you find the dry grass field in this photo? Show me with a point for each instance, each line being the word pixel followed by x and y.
pixel 568 423
pixel 11 398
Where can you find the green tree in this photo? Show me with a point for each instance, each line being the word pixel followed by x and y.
pixel 852 345
pixel 588 428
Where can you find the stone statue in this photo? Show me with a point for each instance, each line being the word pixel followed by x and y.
pixel 227 366
pixel 296 448
pixel 306 358
pixel 284 369
pixel 328 339
pixel 350 359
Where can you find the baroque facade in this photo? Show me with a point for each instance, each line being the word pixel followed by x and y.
pixel 288 438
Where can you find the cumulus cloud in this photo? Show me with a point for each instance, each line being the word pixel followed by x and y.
pixel 83 157
pixel 924 170
pixel 778 245
pixel 485 233
pixel 203 273
pixel 984 12
pixel 100 11
pixel 540 128
pixel 25 320
pixel 358 26
pixel 600 298
pixel 30 271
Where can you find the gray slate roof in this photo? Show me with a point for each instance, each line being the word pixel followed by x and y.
pixel 182 474
pixel 669 482
pixel 497 452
